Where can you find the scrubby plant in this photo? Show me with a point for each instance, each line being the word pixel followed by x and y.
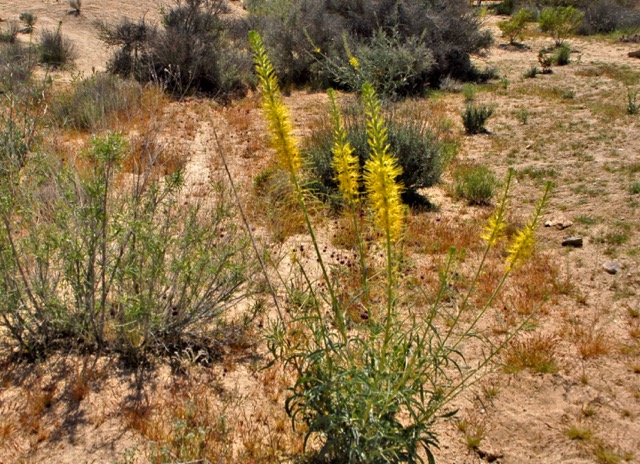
pixel 88 103
pixel 606 16
pixel 562 55
pixel 9 33
pixel 16 65
pixel 469 91
pixel 194 50
pixel 418 149
pixel 546 61
pixel 513 28
pixel 86 259
pixel 54 49
pixel 369 389
pixel 560 22
pixel 531 73
pixel 475 117
pixel 632 101
pixel 29 20
pixel 476 184
pixel 412 42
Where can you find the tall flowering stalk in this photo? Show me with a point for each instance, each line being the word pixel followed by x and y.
pixel 383 192
pixel 280 127
pixel 347 168
pixel 381 170
pixel 287 152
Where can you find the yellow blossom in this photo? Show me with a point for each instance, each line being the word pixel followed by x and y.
pixel 345 163
pixel 276 113
pixel 381 170
pixel 521 246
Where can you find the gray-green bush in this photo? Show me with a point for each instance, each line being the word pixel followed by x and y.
pixel 420 152
pixel 54 49
pixel 88 103
pixel 312 42
pixel 89 258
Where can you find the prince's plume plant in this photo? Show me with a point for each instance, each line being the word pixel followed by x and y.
pixel 371 391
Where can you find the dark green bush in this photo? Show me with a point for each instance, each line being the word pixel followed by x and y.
pixel 475 117
pixel 309 40
pixel 476 184
pixel 419 151
pixel 89 261
pixel 605 16
pixel 194 50
pixel 54 49
pixel 562 55
pixel 89 102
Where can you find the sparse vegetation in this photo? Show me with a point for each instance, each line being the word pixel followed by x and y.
pixel 476 184
pixel 29 20
pixel 514 27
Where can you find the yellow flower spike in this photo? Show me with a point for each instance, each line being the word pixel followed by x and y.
pixel 276 113
pixel 353 61
pixel 522 244
pixel 381 170
pixel 345 163
pixel 494 231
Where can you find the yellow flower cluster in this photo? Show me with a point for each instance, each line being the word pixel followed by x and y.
pixel 345 163
pixel 522 244
pixel 495 229
pixel 381 170
pixel 280 126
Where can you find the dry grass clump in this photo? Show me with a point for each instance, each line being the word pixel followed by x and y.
pixel 537 352
pixel 426 234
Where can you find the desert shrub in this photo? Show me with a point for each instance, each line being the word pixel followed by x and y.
pixel 605 16
pixel 396 67
pixel 420 153
pixel 475 117
pixel 422 42
pixel 560 22
pixel 193 50
pixel 513 28
pixel 89 102
pixel 54 49
pixel 632 101
pixel 16 65
pixel 469 91
pixel 546 61
pixel 128 267
pixel 9 32
pixel 29 20
pixel 505 7
pixel 476 184
pixel 369 387
pixel 531 73
pixel 562 55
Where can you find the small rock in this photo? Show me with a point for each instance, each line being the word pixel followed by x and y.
pixel 560 223
pixel 489 454
pixel 572 241
pixel 612 267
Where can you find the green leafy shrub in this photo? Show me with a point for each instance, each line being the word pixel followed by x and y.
pixel 194 50
pixel 476 184
pixel 475 117
pixel 420 153
pixel 54 49
pixel 89 102
pixel 313 42
pixel 513 28
pixel 560 22
pixel 126 267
